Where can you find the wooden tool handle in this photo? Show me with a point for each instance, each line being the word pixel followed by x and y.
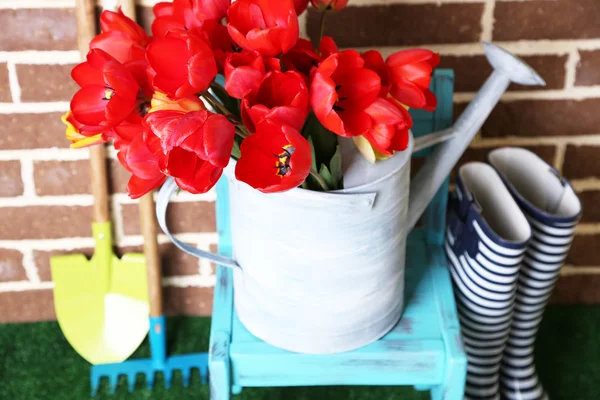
pixel 149 231
pixel 86 30
pixel 128 8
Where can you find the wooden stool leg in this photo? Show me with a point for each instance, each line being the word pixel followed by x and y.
pixel 453 387
pixel 219 368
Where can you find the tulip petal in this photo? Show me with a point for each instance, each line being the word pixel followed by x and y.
pixel 137 187
pixel 88 105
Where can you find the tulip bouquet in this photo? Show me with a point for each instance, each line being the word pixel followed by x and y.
pixel 220 80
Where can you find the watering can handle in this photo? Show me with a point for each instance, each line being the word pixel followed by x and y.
pixel 162 202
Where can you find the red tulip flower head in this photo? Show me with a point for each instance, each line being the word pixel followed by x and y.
pixel 282 96
pixel 410 72
pixel 192 146
pixel 390 125
pixel 300 6
pixel 121 37
pixel 341 89
pixel 274 159
pixel 137 159
pixel 243 73
pixel 182 64
pixel 108 92
pixel 327 5
pixel 186 15
pixel 266 26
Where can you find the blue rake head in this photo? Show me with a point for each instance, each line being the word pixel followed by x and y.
pixel 149 366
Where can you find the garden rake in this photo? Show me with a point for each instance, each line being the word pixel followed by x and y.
pixel 159 361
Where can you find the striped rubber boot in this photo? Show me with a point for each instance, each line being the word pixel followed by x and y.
pixel 485 242
pixel 552 209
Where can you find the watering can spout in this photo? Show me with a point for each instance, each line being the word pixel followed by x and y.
pixel 507 68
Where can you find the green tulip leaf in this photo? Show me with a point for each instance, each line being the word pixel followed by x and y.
pixel 335 166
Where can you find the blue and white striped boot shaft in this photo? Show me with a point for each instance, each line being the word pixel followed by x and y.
pixel 486 240
pixel 553 210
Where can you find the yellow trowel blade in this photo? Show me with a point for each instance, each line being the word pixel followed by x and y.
pixel 101 304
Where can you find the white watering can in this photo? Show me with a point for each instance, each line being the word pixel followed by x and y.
pixel 322 272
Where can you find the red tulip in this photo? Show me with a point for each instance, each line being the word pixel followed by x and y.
pixel 374 61
pixel 76 136
pixel 274 145
pixel 108 93
pixel 327 5
pixel 243 73
pixel 135 156
pixel 211 9
pixel 390 125
pixel 220 42
pixel 121 37
pixel 193 147
pixel 410 72
pixel 182 64
pixel 282 96
pixel 186 15
pixel 300 6
pixel 266 26
pixel 341 89
pixel 303 57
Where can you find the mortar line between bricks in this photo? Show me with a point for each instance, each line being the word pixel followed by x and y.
pixel 87 199
pixel 578 93
pixel 582 185
pixel 34 108
pixel 21 286
pixel 31 269
pixel 559 158
pixel 570 270
pixel 587 228
pixel 521 47
pixel 189 281
pixel 487 20
pixel 592 139
pixel 47 154
pixel 13 82
pixel 41 57
pixel 571 69
pixel 73 243
pixel 27 178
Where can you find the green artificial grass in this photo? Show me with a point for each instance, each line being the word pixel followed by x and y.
pixel 37 363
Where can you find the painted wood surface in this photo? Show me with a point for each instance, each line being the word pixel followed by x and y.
pixel 423 350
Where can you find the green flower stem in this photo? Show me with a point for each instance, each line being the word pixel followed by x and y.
pixel 319 179
pixel 216 103
pixel 321 29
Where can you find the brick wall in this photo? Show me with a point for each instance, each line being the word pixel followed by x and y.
pixel 45 198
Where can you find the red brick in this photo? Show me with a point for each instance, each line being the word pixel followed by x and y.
pixel 11 266
pixel 577 289
pixel 46 82
pixel 44 222
pixel 541 19
pixel 54 178
pixel 479 154
pixel 5 95
pixel 118 177
pixel 54 29
pixel 42 260
pixel 31 131
pixel 590 200
pixel 581 162
pixel 541 118
pixel 11 183
pixel 472 71
pixel 181 217
pixel 401 24
pixel 188 301
pixel 588 70
pixel 27 306
pixel 585 250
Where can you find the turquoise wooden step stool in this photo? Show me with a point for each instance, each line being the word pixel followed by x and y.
pixel 425 348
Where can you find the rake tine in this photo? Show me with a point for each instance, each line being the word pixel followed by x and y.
pixel 168 374
pixel 185 375
pixel 113 380
pixel 203 374
pixel 131 381
pixel 150 380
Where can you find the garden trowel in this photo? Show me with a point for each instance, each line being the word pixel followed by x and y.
pixel 101 304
